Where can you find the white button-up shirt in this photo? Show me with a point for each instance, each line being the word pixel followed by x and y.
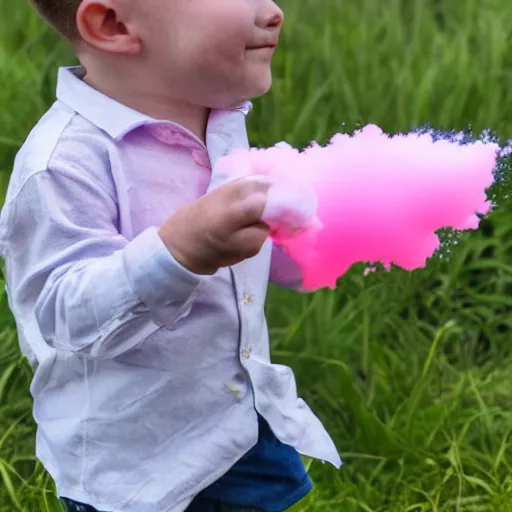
pixel 147 377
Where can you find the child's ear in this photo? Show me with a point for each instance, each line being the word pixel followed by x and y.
pixel 100 25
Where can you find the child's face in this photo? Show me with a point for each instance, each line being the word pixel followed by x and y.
pixel 209 52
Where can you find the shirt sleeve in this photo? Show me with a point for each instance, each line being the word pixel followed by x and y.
pixel 289 207
pixel 92 291
pixel 284 271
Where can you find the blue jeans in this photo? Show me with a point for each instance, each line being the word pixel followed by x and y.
pixel 200 505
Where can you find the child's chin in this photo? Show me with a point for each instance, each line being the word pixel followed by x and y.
pixel 256 88
pixel 261 86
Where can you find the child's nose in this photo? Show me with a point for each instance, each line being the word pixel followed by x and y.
pixel 270 15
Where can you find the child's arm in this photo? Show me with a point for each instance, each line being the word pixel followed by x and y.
pixel 92 290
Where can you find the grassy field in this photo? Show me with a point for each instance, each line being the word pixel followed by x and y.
pixel 411 372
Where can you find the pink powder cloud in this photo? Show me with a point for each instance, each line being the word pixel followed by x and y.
pixel 368 197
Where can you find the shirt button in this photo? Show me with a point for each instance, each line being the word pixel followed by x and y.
pixel 247 299
pixel 237 386
pixel 246 351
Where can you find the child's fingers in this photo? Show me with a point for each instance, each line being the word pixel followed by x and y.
pixel 247 206
pixel 250 239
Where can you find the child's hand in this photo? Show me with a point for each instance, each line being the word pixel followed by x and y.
pixel 220 229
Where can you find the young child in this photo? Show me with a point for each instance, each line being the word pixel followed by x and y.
pixel 138 281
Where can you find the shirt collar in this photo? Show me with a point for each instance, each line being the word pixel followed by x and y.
pixel 114 118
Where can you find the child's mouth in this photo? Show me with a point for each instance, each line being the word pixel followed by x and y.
pixel 268 44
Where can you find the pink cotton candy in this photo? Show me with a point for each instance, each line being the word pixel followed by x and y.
pixel 380 198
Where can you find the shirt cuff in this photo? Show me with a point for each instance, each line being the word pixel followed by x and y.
pixel 157 278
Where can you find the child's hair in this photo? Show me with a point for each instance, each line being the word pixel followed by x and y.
pixel 60 14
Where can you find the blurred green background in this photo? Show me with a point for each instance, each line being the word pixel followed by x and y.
pixel 410 372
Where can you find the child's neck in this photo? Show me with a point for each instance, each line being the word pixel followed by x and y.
pixel 192 117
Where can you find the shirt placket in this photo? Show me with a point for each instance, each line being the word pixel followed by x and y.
pixel 227 131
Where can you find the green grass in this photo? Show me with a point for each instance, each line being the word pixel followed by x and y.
pixel 411 372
